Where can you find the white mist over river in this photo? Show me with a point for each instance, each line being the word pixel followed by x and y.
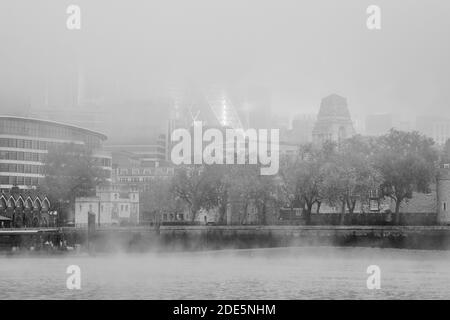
pixel 279 273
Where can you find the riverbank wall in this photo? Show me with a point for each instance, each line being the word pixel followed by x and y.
pixel 185 238
pixel 240 237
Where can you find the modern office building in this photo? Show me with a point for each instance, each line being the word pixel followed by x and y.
pixel 24 144
pixel 145 154
pixel 434 127
pixel 302 128
pixel 379 124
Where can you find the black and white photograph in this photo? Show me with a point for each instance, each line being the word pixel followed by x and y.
pixel 224 156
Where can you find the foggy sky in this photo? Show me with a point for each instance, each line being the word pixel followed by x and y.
pixel 299 50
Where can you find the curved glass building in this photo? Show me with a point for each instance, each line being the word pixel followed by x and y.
pixel 25 142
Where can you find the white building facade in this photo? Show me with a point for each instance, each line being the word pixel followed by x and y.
pixel 113 205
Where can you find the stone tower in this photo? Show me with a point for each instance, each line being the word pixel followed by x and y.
pixel 334 122
pixel 443 195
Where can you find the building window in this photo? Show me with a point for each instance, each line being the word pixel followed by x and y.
pixel 445 206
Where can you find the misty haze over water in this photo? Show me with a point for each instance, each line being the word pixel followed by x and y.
pixel 282 273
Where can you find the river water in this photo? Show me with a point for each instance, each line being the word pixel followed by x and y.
pixel 280 273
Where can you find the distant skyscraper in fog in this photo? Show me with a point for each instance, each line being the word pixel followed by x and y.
pixel 223 108
pixel 334 122
pixel 67 98
pixel 257 107
pixel 379 124
pixel 302 128
pixel 434 127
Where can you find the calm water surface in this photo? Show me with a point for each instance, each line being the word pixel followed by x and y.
pixel 282 273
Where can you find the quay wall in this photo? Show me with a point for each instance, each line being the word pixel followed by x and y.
pixel 240 237
pixel 288 217
pixel 182 238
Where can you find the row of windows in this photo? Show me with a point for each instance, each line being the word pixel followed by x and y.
pixel 173 217
pixel 21 181
pixel 21 168
pixel 22 156
pixel 138 179
pixel 40 157
pixel 138 171
pixel 45 130
pixel 102 162
pixel 28 144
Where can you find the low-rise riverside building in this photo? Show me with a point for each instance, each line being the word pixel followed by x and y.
pixel 113 204
pixel 25 209
pixel 142 177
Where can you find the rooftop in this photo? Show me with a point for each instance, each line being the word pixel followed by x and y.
pixel 333 106
pixel 54 123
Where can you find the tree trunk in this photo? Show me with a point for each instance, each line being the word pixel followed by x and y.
pixel 342 218
pixel 308 213
pixel 398 203
pixel 263 214
pixel 242 219
pixel 222 214
pixel 319 204
pixel 193 213
pixel 223 209
pixel 351 206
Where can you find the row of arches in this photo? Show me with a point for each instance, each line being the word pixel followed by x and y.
pixel 21 203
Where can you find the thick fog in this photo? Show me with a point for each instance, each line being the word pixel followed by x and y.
pixel 299 51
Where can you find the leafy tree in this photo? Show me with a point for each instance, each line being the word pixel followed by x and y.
pixel 71 171
pixel 266 193
pixel 158 199
pixel 240 181
pixel 407 162
pixel 197 187
pixel 350 176
pixel 303 178
pixel 248 186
